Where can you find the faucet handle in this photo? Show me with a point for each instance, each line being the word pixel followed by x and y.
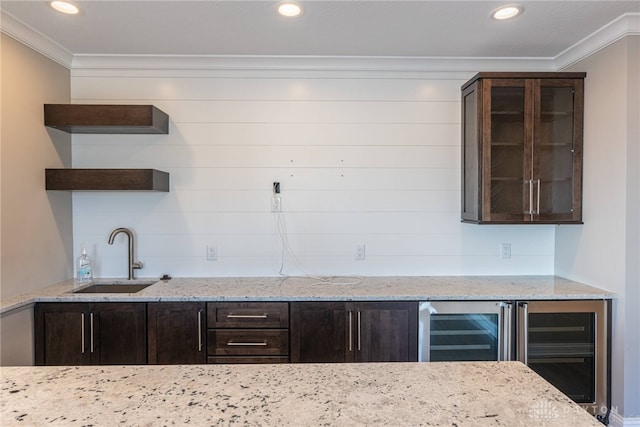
pixel 136 265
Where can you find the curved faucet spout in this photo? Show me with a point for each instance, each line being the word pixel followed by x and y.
pixel 132 265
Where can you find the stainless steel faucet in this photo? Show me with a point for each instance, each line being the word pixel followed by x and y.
pixel 133 265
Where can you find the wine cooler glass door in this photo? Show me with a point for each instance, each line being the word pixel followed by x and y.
pixel 464 331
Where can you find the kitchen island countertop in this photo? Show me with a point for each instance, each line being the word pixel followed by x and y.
pixel 392 288
pixel 394 394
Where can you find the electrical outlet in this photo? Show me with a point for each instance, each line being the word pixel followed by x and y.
pixel 212 253
pixel 360 252
pixel 276 204
pixel 505 250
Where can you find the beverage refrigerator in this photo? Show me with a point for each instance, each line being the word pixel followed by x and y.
pixel 565 342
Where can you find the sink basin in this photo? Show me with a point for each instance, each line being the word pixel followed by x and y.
pixel 114 288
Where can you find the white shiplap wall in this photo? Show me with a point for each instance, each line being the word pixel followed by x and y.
pixel 362 159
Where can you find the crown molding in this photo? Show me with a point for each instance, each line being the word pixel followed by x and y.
pixel 275 65
pixel 37 41
pixel 81 64
pixel 625 25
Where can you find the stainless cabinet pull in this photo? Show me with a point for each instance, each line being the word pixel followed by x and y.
pixel 82 334
pixel 539 189
pixel 530 197
pixel 91 328
pixel 199 330
pixel 246 316
pixel 359 332
pixel 350 331
pixel 234 343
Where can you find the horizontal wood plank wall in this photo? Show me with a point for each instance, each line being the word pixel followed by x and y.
pixel 371 160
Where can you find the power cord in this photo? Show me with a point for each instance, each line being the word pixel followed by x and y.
pixel 285 250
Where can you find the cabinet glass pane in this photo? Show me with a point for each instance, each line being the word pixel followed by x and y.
pixel 507 150
pixel 468 337
pixel 562 350
pixel 554 149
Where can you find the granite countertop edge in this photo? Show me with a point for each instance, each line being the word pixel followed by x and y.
pixel 283 289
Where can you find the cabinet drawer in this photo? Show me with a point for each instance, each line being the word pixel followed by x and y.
pixel 247 359
pixel 248 315
pixel 223 342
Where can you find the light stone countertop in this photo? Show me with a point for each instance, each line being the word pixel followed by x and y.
pixel 406 288
pixel 373 394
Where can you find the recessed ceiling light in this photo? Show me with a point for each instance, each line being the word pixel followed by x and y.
pixel 65 7
pixel 507 12
pixel 289 9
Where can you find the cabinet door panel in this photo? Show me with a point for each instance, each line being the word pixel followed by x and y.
pixel 318 332
pixel 506 149
pixel 119 333
pixel 557 149
pixel 386 332
pixel 62 334
pixel 175 332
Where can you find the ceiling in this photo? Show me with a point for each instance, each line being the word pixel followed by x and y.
pixel 367 28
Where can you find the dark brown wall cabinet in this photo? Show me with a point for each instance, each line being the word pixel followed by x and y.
pixel 107 119
pixel 176 333
pixel 107 180
pixel 323 332
pixel 90 333
pixel 248 332
pixel 522 148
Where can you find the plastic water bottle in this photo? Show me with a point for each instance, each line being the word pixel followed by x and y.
pixel 85 273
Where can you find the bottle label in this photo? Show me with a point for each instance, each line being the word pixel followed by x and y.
pixel 84 274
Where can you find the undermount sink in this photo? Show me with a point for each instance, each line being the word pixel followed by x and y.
pixel 121 287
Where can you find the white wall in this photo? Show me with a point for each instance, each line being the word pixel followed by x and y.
pixel 362 158
pixel 605 252
pixel 36 245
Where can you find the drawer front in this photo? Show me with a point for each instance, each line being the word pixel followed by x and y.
pixel 248 315
pixel 247 342
pixel 247 359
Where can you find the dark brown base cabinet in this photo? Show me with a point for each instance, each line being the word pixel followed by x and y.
pixel 325 332
pixel 176 333
pixel 90 334
pixel 252 332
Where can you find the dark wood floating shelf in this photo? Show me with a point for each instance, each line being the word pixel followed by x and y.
pixel 106 119
pixel 107 180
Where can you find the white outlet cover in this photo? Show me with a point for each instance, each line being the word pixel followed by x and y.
pixel 212 253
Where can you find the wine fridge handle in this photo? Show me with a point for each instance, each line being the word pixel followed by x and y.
pixel 523 332
pixel 507 321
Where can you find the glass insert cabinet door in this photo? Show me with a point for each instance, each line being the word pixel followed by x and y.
pixel 556 178
pixel 522 148
pixel 509 135
pixel 532 141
